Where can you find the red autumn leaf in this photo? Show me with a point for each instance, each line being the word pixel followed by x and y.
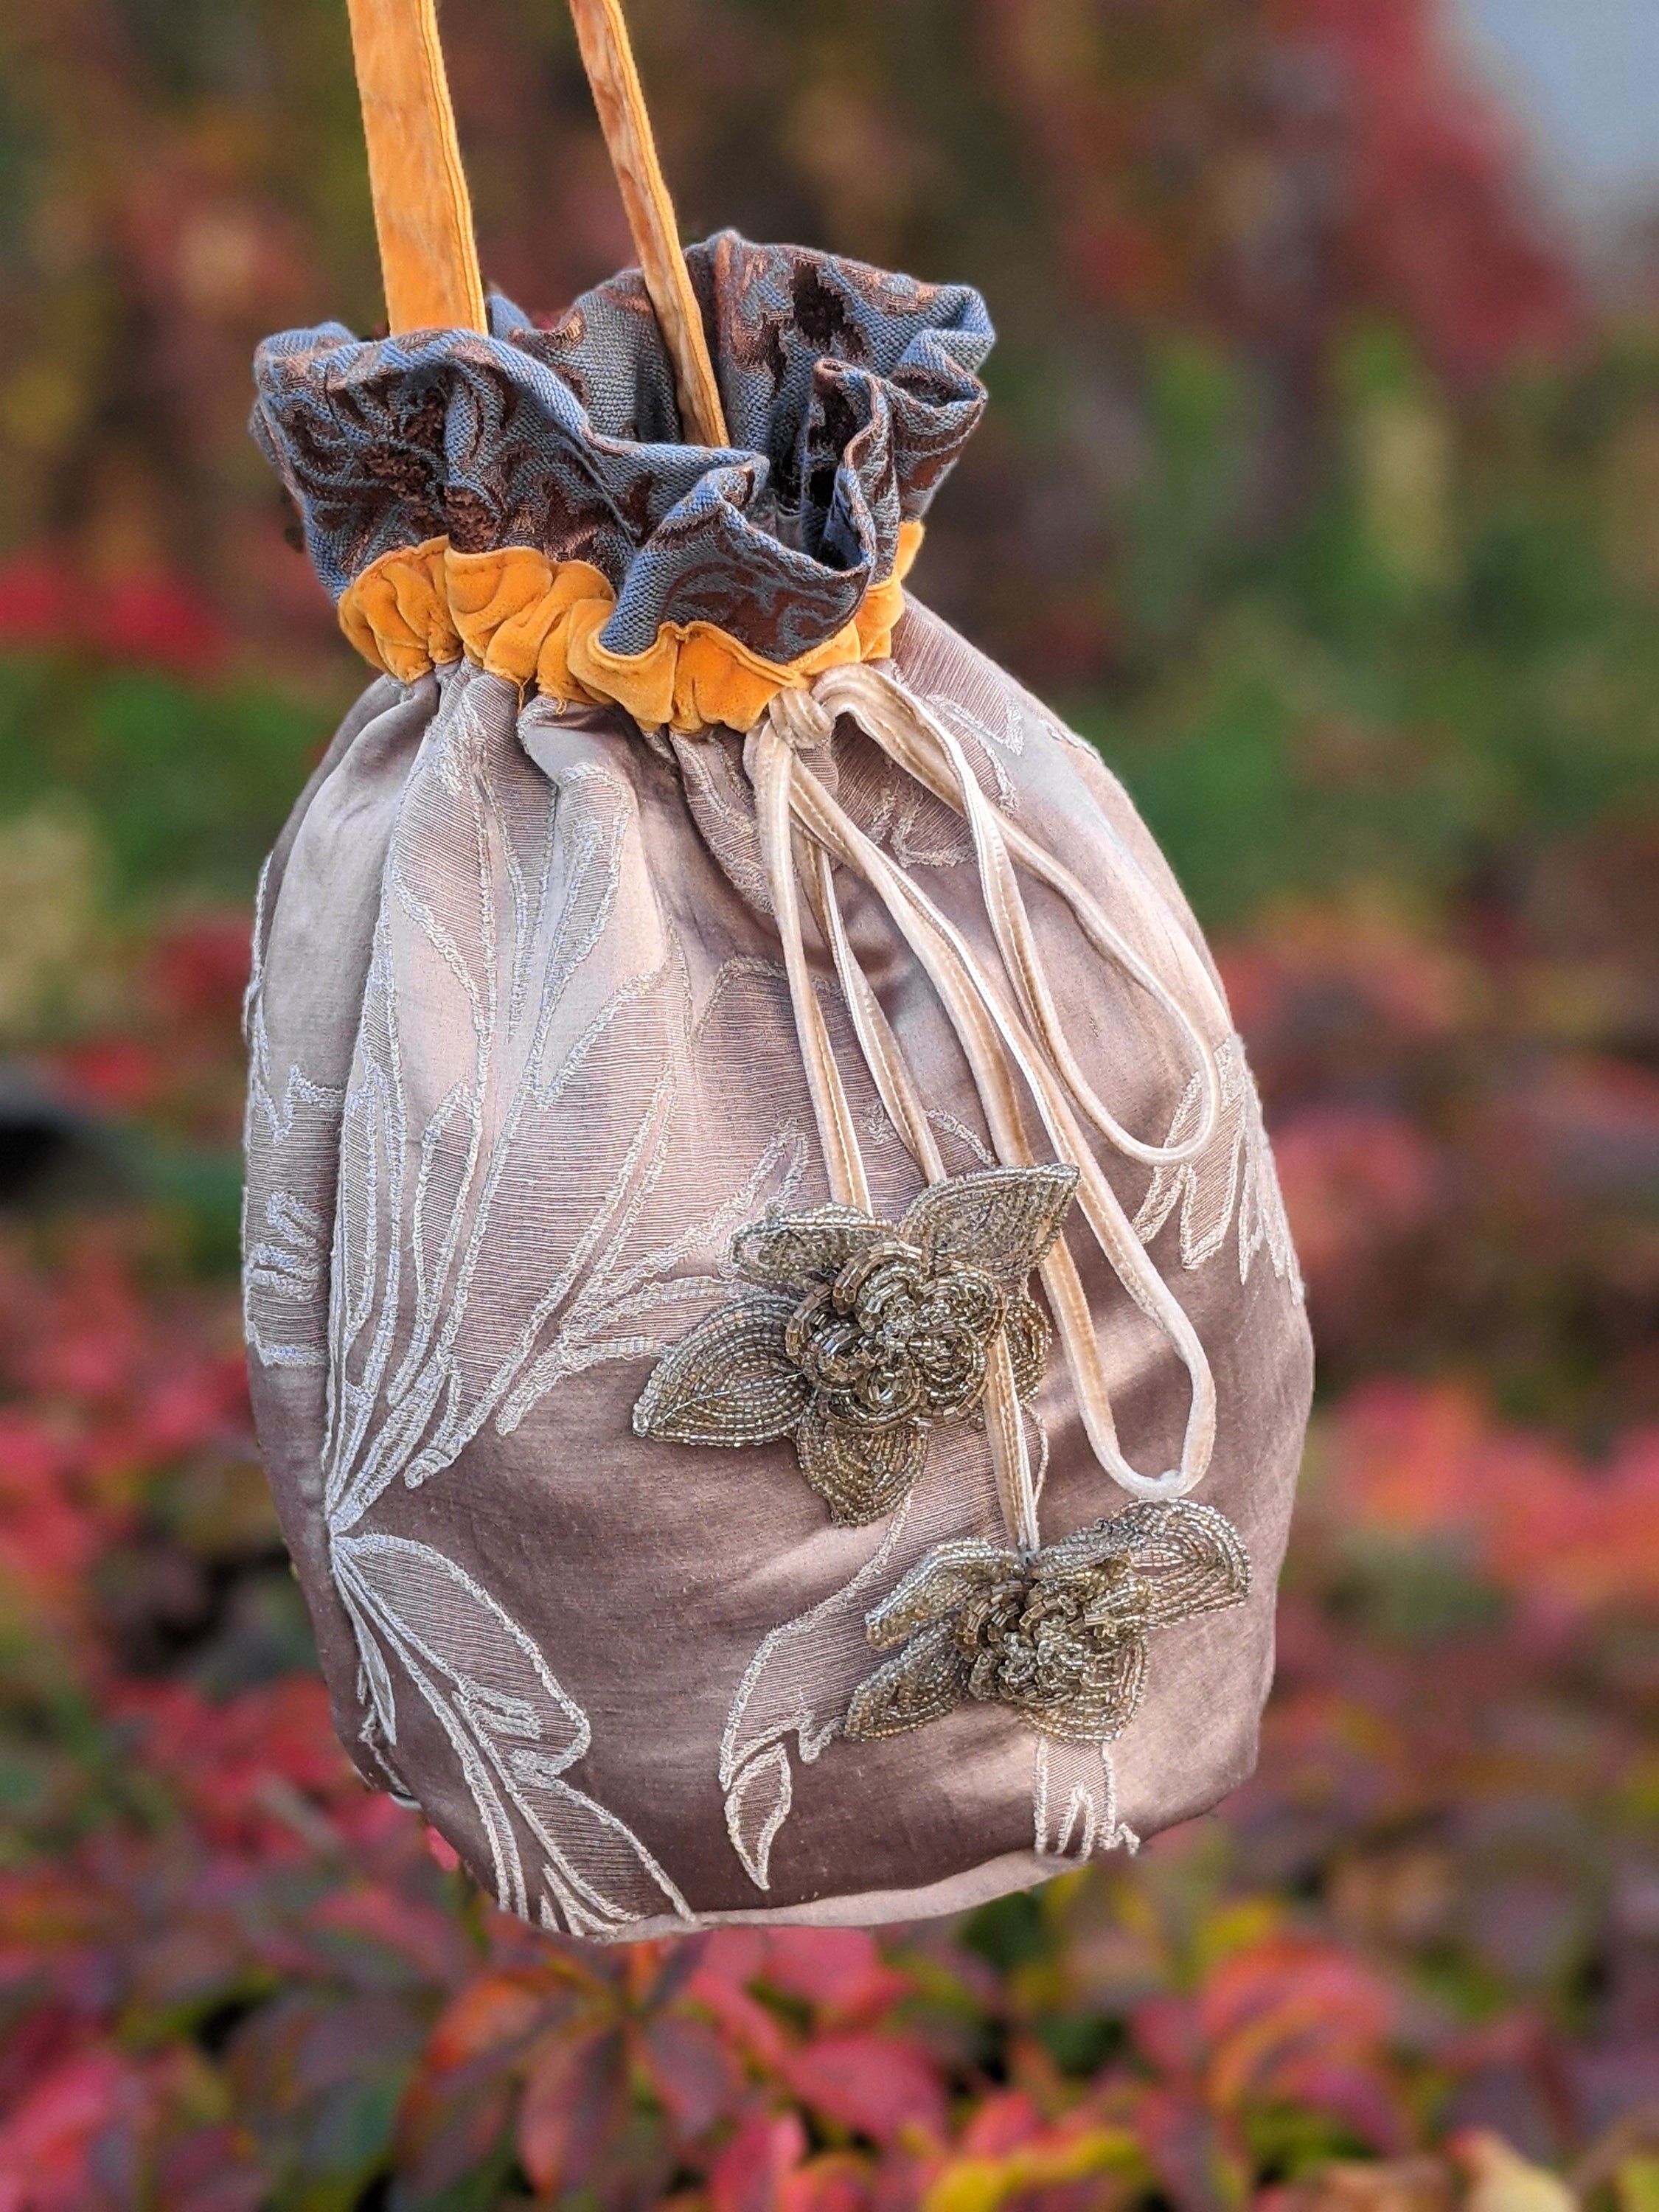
pixel 1198 2168
pixel 875 2085
pixel 1568 1540
pixel 751 2172
pixel 445 2136
pixel 837 1971
pixel 121 1074
pixel 197 970
pixel 1406 1458
pixel 159 621
pixel 838 2182
pixel 443 1853
pixel 428 1942
pixel 1361 2094
pixel 659 1971
pixel 154 620
pixel 1353 1177
pixel 1369 970
pixel 39 598
pixel 1000 2122
pixel 1290 2004
pixel 212 2170
pixel 1571 1542
pixel 575 2101
pixel 48 2141
pixel 495 2013
pixel 1166 2029
pixel 715 1987
pixel 691 2070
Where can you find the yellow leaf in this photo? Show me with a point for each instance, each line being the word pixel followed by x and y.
pixel 981 2184
pixel 1501 2180
pixel 1635 2183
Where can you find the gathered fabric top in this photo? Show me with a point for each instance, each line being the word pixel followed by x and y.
pixel 526 498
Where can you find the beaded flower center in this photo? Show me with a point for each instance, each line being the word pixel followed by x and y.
pixel 896 1336
pixel 1027 1637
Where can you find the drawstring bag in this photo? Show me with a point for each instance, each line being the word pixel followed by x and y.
pixel 772 1325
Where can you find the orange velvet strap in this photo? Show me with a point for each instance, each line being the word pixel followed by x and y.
pixel 423 216
pixel 519 615
pixel 608 57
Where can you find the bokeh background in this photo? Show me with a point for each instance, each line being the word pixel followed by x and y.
pixel 1321 488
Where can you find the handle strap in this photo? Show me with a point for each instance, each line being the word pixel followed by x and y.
pixel 424 215
pixel 602 35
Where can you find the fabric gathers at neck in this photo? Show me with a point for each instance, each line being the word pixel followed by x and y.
pixel 532 621
pixel 527 497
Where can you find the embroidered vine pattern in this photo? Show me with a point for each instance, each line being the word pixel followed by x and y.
pixel 503 940
pixel 855 1337
pixel 1232 1179
pixel 291 1142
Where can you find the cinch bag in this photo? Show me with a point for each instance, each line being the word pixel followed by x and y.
pixel 772 1324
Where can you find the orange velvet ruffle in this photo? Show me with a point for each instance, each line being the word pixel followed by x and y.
pixel 529 620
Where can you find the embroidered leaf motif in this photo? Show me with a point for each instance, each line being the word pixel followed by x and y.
pixel 1059 1635
pixel 463 1284
pixel 797 1682
pixel 756 1806
pixel 730 1383
pixel 1232 1178
pixel 873 1334
pixel 1075 1798
pixel 513 1728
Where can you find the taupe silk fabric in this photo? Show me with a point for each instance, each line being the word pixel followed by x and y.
pixel 523 1063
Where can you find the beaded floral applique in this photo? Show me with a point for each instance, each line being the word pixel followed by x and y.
pixel 1060 1634
pixel 855 1335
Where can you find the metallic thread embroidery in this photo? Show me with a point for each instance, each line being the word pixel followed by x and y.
pixel 1060 1634
pixel 858 1335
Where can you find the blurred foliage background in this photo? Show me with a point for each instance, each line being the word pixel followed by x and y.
pixel 1320 488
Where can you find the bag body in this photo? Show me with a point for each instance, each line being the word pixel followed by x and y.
pixel 772 1327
